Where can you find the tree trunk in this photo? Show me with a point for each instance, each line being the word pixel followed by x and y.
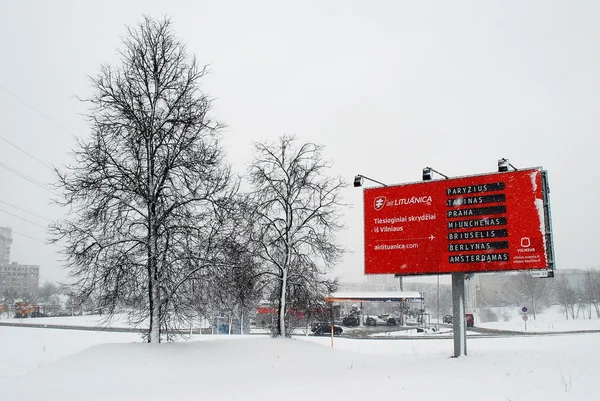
pixel 242 321
pixel 153 280
pixel 152 246
pixel 307 326
pixel 282 295
pixel 155 301
pixel 155 313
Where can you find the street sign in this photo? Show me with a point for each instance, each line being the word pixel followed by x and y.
pixel 539 273
pixel 524 309
pixel 489 222
pixel 525 317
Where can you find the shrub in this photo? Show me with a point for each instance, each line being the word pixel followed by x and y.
pixel 488 315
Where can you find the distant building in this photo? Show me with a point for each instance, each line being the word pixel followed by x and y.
pixel 383 282
pixel 375 282
pixel 5 242
pixel 22 279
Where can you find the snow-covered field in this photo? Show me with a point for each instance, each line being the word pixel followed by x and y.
pixel 118 321
pixel 23 350
pixel 550 319
pixel 50 364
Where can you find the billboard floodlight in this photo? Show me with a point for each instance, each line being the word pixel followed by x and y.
pixel 359 179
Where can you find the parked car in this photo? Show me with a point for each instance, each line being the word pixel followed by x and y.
pixel 381 320
pixel 351 321
pixel 316 325
pixel 38 314
pixel 325 330
pixel 469 319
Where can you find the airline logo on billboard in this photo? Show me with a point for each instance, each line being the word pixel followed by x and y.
pixel 379 203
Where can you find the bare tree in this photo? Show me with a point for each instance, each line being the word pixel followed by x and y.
pixel 144 187
pixel 567 296
pixel 9 297
pixel 236 285
pixel 47 290
pixel 296 216
pixel 306 295
pixel 528 289
pixel 591 291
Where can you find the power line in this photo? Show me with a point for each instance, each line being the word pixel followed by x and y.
pixel 24 219
pixel 26 211
pixel 27 153
pixel 33 181
pixel 36 110
pixel 30 237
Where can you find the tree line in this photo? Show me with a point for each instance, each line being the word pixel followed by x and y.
pixel 577 298
pixel 157 221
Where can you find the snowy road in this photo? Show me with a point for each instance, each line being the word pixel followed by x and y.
pixel 387 333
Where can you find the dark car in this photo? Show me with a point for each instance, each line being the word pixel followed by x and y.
pixel 379 320
pixel 316 325
pixel 448 319
pixel 351 321
pixel 38 314
pixel 325 330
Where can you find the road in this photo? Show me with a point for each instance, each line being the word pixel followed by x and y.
pixel 472 332
pixel 361 332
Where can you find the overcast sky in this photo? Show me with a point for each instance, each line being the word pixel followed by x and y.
pixel 389 87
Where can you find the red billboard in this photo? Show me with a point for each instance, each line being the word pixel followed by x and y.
pixel 479 223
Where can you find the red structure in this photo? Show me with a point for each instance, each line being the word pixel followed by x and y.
pixel 479 223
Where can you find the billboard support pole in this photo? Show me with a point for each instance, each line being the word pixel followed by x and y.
pixel 458 309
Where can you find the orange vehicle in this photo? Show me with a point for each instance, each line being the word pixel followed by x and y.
pixel 24 309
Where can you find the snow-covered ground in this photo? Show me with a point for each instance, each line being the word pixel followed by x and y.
pixel 563 367
pixel 118 321
pixel 23 350
pixel 548 320
pixel 414 332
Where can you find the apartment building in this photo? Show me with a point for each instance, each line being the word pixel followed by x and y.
pixel 5 242
pixel 20 280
